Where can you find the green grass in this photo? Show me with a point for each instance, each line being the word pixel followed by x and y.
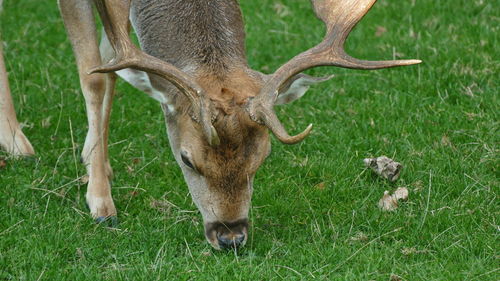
pixel 440 119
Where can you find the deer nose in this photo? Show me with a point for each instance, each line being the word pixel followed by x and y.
pixel 230 240
pixel 227 235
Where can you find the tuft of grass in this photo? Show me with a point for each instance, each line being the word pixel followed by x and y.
pixel 314 213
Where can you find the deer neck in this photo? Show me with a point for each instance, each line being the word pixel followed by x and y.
pixel 191 34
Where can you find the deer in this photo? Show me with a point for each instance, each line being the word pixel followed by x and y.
pixel 219 112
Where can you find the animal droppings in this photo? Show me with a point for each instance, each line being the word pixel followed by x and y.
pixel 389 202
pixel 384 167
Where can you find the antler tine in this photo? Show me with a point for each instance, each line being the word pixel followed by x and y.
pixel 114 15
pixel 340 17
pixel 270 119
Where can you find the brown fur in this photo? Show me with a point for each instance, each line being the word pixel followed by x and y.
pixel 231 90
pixel 228 166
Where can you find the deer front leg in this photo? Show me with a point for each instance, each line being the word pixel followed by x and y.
pixel 12 138
pixel 106 114
pixel 107 53
pixel 79 21
pixel 107 104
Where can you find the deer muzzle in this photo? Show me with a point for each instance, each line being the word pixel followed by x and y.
pixel 227 235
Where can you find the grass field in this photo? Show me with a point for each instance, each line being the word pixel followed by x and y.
pixel 314 213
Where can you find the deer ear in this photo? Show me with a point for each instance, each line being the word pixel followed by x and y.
pixel 140 80
pixel 297 86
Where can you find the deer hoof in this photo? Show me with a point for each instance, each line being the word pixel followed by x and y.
pixel 111 221
pixel 108 221
pixel 102 209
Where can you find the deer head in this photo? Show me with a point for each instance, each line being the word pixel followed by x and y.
pixel 218 127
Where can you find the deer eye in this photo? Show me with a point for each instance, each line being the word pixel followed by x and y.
pixel 186 161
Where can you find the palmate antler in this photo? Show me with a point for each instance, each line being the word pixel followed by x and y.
pixel 340 17
pixel 114 15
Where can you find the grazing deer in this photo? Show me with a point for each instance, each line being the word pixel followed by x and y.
pixel 218 111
